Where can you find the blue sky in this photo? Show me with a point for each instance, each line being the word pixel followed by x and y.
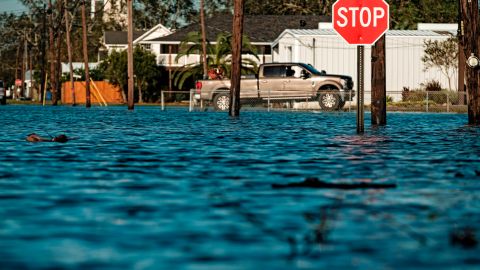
pixel 11 6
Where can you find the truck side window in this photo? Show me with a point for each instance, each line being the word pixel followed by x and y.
pixel 274 71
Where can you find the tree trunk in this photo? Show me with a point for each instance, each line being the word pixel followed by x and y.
pixel 88 102
pixel 234 108
pixel 471 41
pixel 379 84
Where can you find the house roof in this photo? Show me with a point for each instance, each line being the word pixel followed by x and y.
pixel 389 33
pixel 120 37
pixel 259 28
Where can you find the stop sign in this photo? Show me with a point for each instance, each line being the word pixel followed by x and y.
pixel 360 22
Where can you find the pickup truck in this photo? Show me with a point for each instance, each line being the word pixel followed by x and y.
pixel 281 82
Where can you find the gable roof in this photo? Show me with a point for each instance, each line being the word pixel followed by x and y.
pixel 259 28
pixel 120 37
pixel 156 31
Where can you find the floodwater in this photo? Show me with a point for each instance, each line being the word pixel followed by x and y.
pixel 153 189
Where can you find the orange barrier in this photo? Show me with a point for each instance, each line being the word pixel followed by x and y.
pixel 102 92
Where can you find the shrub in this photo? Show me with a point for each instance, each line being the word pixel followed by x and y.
pixel 432 85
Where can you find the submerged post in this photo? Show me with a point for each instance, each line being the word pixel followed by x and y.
pixel 130 55
pixel 234 108
pixel 379 84
pixel 360 85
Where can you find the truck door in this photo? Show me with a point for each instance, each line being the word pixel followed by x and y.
pixel 273 81
pixel 297 85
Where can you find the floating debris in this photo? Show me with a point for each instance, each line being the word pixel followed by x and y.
pixel 464 237
pixel 313 182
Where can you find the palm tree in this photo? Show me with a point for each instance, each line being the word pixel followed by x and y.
pixel 218 56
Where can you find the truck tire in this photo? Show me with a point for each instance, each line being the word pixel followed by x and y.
pixel 3 100
pixel 221 102
pixel 329 101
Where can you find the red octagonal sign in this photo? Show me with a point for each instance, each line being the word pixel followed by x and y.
pixel 360 22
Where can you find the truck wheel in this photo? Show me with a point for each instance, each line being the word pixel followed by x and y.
pixel 329 101
pixel 3 100
pixel 221 102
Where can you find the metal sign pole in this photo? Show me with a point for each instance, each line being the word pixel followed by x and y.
pixel 360 94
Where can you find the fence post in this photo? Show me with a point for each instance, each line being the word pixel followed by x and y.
pixel 448 101
pixel 427 101
pixel 190 101
pixel 350 102
pixel 268 101
pixel 162 101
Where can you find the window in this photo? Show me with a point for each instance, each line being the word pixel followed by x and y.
pixel 274 71
pixel 146 46
pixel 264 49
pixel 164 49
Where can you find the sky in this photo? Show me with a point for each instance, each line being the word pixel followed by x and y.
pixel 13 6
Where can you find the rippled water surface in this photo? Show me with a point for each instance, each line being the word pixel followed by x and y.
pixel 153 189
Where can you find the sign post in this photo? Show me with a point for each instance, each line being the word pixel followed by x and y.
pixel 360 22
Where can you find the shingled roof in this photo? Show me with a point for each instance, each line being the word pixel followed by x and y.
pixel 120 37
pixel 259 28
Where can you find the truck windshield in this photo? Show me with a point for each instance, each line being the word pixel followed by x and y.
pixel 311 69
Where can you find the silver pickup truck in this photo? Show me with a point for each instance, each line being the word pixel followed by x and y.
pixel 282 82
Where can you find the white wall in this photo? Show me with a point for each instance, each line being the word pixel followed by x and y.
pixel 404 67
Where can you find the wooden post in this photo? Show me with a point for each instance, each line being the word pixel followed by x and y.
pixel 58 59
pixel 130 56
pixel 379 84
pixel 471 31
pixel 88 101
pixel 53 85
pixel 204 39
pixel 42 53
pixel 68 28
pixel 237 34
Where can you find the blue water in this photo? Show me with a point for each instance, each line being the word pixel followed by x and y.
pixel 153 189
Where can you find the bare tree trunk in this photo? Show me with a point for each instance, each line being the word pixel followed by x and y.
pixel 234 108
pixel 379 84
pixel 68 28
pixel 131 97
pixel 204 38
pixel 88 102
pixel 471 30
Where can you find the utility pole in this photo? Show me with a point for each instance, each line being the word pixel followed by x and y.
pixel 471 42
pixel 53 86
pixel 379 84
pixel 58 59
pixel 88 102
pixel 234 108
pixel 68 28
pixel 130 54
pixel 204 39
pixel 42 53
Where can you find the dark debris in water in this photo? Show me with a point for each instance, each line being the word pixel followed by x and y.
pixel 313 182
pixel 464 237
